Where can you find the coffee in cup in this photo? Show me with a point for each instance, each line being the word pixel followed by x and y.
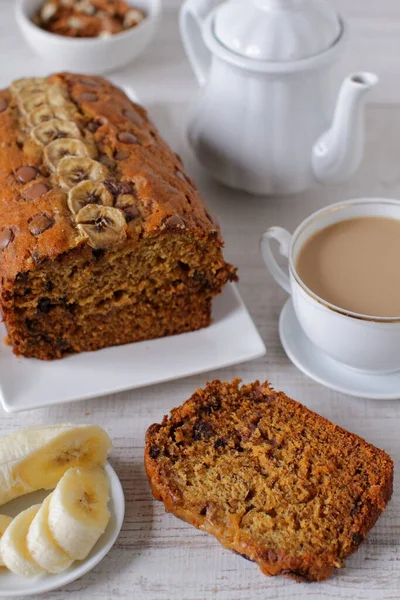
pixel 355 265
pixel 344 280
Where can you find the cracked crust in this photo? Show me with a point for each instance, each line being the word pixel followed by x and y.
pixel 273 481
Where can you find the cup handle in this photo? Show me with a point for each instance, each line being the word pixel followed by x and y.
pixel 284 239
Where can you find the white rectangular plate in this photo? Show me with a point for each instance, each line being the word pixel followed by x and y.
pixel 27 383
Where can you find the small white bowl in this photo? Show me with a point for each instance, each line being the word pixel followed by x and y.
pixel 12 586
pixel 88 55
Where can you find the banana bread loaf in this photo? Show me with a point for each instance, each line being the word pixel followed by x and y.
pixel 104 239
pixel 272 480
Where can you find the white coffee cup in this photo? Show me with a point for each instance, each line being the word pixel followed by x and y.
pixel 359 341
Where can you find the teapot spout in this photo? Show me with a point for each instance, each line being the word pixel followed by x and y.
pixel 339 151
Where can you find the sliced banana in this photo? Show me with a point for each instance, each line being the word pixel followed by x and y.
pixel 41 544
pixel 64 150
pixel 88 192
pixel 28 83
pixel 45 112
pixel 13 547
pixel 56 95
pixel 4 523
pixel 78 513
pixel 36 458
pixel 103 226
pixel 71 171
pixel 55 129
pixel 31 100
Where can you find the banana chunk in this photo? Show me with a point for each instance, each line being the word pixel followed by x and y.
pixel 63 150
pixel 4 523
pixel 41 544
pixel 103 226
pixel 13 546
pixel 29 101
pixel 27 83
pixel 55 129
pixel 71 171
pixel 78 512
pixel 38 457
pixel 45 112
pixel 88 192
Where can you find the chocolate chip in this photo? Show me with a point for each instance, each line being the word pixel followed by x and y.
pixel 29 324
pixel 44 305
pixel 22 277
pixel 3 105
pixel 93 126
pixel 6 237
pixel 34 191
pixel 121 154
pixel 202 430
pixel 88 97
pixel 112 186
pixel 174 221
pixel 154 452
pixel 132 116
pixel 131 213
pixel 49 285
pixel 221 443
pixel 40 223
pixel 356 539
pixel 25 174
pixel 238 447
pixel 258 395
pixel 127 138
pixel 126 187
pixel 98 253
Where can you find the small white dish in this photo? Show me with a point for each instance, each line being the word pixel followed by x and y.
pixel 88 55
pixel 12 586
pixel 231 338
pixel 327 371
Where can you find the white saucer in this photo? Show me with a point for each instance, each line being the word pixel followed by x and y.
pixel 12 585
pixel 317 365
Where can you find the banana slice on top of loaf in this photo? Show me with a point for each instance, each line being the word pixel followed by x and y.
pixel 272 480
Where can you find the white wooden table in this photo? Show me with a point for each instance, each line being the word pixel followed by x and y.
pixel 156 556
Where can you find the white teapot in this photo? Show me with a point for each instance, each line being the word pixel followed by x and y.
pixel 265 120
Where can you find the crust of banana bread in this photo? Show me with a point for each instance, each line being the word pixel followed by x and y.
pixel 270 479
pixel 104 239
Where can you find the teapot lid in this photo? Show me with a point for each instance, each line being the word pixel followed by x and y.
pixel 277 30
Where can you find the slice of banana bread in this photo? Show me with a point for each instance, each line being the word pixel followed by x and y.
pixel 269 478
